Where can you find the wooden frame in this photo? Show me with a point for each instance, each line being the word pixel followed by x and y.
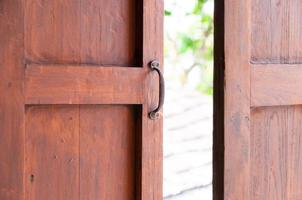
pixel 237 99
pixel 218 112
pixel 152 149
pixel 232 100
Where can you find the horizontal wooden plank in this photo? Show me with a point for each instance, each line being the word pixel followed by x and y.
pixel 60 84
pixel 276 84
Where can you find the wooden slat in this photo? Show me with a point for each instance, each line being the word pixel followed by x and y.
pixel 83 85
pixel 108 152
pixel 52 152
pixel 152 138
pixel 276 157
pixel 11 100
pixel 237 100
pixel 276 85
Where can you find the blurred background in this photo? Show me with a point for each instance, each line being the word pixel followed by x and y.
pixel 188 107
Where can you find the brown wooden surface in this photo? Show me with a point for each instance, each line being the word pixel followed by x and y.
pixel 46 84
pixel 237 100
pixel 276 31
pixel 152 150
pixel 104 146
pixel 262 100
pixel 78 56
pixel 11 100
pixel 52 153
pixel 276 85
pixel 68 154
pixel 276 157
pixel 82 32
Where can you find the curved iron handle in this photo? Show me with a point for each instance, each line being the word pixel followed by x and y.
pixel 155 66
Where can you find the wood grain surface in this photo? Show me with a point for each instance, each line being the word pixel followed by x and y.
pixel 274 85
pixel 262 100
pixel 69 156
pixel 152 130
pixel 276 31
pixel 81 32
pixel 237 100
pixel 11 100
pixel 108 152
pixel 61 84
pixel 276 157
pixel 63 59
pixel 52 153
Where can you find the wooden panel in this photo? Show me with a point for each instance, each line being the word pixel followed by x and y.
pixel 276 85
pixel 76 31
pixel 52 153
pixel 81 152
pixel 11 100
pixel 152 146
pixel 84 85
pixel 276 31
pixel 108 152
pixel 276 158
pixel 237 100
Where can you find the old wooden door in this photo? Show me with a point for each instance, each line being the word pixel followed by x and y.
pixel 263 97
pixel 76 89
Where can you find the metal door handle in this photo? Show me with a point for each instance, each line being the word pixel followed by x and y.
pixel 155 66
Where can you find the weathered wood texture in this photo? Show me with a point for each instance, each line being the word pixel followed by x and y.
pixel 237 100
pixel 70 156
pixel 276 85
pixel 82 32
pixel 152 150
pixel 263 112
pixel 52 153
pixel 74 57
pixel 276 31
pixel 276 159
pixel 108 152
pixel 84 85
pixel 11 100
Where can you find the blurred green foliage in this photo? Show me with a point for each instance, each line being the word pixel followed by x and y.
pixel 193 42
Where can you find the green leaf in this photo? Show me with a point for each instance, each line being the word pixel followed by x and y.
pixel 206 19
pixel 168 13
pixel 188 43
pixel 198 7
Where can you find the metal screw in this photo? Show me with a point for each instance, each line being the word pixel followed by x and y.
pixel 154 115
pixel 155 64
